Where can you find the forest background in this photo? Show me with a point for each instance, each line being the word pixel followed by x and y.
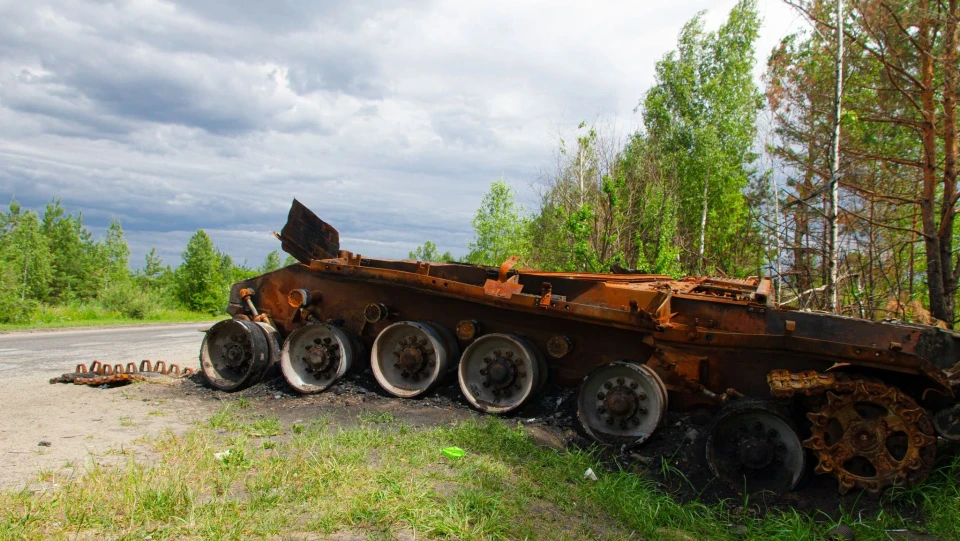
pixel 724 178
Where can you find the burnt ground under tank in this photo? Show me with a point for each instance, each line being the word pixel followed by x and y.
pixel 671 457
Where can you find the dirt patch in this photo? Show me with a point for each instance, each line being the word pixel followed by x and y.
pixel 65 429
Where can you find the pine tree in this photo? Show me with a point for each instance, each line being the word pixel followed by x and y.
pixel 152 265
pixel 199 279
pixel 78 268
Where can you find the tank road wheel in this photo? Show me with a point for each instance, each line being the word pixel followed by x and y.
pixel 500 372
pixel 621 403
pixel 872 438
pixel 410 357
pixel 315 356
pixel 751 444
pixel 236 353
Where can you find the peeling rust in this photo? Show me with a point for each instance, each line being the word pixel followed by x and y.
pixel 704 340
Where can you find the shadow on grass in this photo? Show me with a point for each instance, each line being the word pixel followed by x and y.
pixel 240 476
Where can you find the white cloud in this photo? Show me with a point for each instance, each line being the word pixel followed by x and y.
pixel 390 122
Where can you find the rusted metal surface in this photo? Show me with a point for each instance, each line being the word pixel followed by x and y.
pixel 708 340
pixel 119 374
pixel 307 237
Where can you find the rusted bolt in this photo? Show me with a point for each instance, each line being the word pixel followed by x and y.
pixel 468 329
pixel 375 312
pixel 559 346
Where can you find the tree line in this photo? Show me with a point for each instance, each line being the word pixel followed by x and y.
pixel 54 260
pixel 726 178
pixel 838 179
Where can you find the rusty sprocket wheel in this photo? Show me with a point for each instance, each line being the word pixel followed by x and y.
pixel 872 438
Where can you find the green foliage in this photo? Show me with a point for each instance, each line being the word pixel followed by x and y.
pixel 79 268
pixel 153 265
pixel 24 254
pixel 641 204
pixel 500 227
pixel 199 278
pixel 270 263
pixel 116 252
pixel 701 113
pixel 53 272
pixel 428 251
pixel 130 300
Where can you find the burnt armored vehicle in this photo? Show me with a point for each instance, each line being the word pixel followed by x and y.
pixel 865 399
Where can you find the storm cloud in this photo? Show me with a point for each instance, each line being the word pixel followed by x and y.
pixel 388 119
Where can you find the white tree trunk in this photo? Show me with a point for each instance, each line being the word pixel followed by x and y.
pixel 832 235
pixel 703 222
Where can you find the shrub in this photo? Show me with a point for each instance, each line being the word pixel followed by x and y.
pixel 129 300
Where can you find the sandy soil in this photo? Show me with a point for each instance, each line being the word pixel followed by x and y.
pixel 66 428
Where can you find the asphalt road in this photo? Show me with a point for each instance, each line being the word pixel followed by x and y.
pixel 50 353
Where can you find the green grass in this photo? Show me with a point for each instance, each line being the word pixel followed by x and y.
pixel 94 315
pixel 380 477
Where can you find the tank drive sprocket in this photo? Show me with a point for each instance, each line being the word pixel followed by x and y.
pixel 872 437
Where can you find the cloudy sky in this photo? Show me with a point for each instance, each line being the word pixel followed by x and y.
pixel 389 122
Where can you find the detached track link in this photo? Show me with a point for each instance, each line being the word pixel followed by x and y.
pixel 118 374
pixel 869 435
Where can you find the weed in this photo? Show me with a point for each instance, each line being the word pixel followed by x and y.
pixel 262 428
pixel 376 417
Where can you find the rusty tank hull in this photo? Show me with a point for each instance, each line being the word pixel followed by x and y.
pixel 863 400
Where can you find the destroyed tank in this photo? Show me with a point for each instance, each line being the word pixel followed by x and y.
pixel 865 400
